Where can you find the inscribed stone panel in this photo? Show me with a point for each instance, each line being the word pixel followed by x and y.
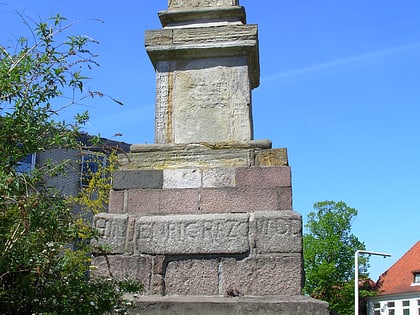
pixel 200 3
pixel 112 229
pixel 278 232
pixel 211 101
pixel 192 234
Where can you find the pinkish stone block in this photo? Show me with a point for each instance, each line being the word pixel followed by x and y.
pixel 264 275
pixel 116 201
pixel 143 201
pixel 178 201
pixel 286 198
pixel 162 201
pixel 246 199
pixel 273 176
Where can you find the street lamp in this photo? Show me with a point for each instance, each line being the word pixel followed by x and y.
pixel 356 275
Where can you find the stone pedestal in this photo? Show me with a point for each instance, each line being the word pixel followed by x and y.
pixel 204 217
pixel 210 220
pixel 220 224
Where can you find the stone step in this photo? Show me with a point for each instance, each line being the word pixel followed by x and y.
pixel 201 305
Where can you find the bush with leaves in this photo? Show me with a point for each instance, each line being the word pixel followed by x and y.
pixel 329 248
pixel 45 249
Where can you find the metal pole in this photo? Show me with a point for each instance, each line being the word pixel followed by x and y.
pixel 356 283
pixel 356 275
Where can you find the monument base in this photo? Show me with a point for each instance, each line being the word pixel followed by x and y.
pixel 202 305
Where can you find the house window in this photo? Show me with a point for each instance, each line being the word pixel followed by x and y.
pixel 406 307
pixel 416 278
pixel 90 165
pixel 391 308
pixel 27 164
pixel 377 309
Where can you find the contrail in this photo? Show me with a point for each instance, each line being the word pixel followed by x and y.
pixel 341 62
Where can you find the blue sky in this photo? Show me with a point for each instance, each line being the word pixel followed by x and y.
pixel 340 88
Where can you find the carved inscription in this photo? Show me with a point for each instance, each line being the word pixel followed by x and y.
pixel 193 234
pixel 211 100
pixel 210 91
pixel 163 123
pixel 112 229
pixel 200 3
pixel 278 232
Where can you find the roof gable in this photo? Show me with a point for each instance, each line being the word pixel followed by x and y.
pixel 399 277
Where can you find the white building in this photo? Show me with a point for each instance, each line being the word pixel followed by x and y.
pixel 399 287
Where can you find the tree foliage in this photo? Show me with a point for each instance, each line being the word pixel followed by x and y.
pixel 45 248
pixel 329 248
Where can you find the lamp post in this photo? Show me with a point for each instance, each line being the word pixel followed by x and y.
pixel 356 275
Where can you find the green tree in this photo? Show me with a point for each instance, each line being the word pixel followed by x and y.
pixel 329 248
pixel 45 249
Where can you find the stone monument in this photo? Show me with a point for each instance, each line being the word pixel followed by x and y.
pixel 203 217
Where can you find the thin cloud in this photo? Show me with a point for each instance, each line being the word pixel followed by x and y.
pixel 341 62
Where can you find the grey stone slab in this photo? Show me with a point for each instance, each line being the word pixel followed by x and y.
pixel 192 277
pixel 192 234
pixel 204 305
pixel 135 267
pixel 132 179
pixel 277 231
pixel 264 275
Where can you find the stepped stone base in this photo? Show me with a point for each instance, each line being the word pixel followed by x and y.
pixel 201 305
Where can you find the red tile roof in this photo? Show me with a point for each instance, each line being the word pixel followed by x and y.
pixel 399 278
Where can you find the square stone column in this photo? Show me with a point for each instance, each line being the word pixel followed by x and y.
pixel 206 62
